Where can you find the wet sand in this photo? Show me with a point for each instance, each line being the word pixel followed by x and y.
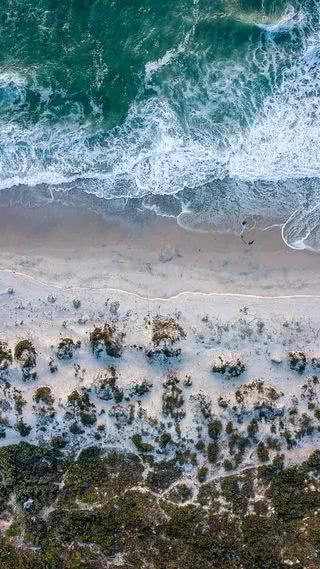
pixel 72 247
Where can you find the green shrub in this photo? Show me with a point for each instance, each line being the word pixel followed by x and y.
pixel 214 429
pixel 262 453
pixel 165 439
pixel 213 452
pixel 23 429
pixel 202 474
pixel 253 428
pixel 140 445
pixel 200 445
pixel 25 353
pixel 102 339
pixel 43 395
pixel 227 464
pixel 65 349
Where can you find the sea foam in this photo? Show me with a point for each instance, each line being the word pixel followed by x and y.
pixel 228 139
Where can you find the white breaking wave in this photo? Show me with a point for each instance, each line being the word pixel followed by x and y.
pixel 290 20
pixel 244 165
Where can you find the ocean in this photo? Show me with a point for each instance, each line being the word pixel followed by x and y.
pixel 204 111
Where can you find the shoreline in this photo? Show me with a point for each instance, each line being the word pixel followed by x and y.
pixel 73 248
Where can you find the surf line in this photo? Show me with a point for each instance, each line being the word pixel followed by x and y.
pixel 157 298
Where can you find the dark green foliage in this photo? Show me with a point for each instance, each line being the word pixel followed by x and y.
pixel 290 496
pixel 214 429
pixel 262 542
pixel 140 445
pixel 213 452
pixel 23 429
pixel 32 472
pixel 233 368
pixel 237 491
pixel 95 474
pixel 200 445
pixel 83 525
pixel 117 395
pixel 180 493
pixel 75 429
pixel 44 395
pixel 163 475
pixel 173 400
pixel 202 473
pixel 65 349
pixel 100 512
pixel 80 407
pixel 165 440
pixel 87 419
pixel 140 389
pixel 229 428
pixel 238 441
pixel 317 414
pixel 267 473
pixel 25 353
pixel 227 464
pixel 262 453
pixel 253 428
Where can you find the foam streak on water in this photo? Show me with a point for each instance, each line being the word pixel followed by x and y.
pixel 204 102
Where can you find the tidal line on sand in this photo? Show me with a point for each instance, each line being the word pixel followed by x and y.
pixel 158 298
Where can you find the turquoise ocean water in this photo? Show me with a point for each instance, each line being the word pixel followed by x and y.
pixel 207 111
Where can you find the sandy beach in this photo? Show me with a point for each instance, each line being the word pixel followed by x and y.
pixel 71 247
pixel 193 355
pixel 65 272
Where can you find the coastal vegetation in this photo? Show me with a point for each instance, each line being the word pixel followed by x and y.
pixel 103 340
pixel 131 439
pixel 106 509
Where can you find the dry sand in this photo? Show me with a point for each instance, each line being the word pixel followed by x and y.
pixel 75 248
pixel 256 302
